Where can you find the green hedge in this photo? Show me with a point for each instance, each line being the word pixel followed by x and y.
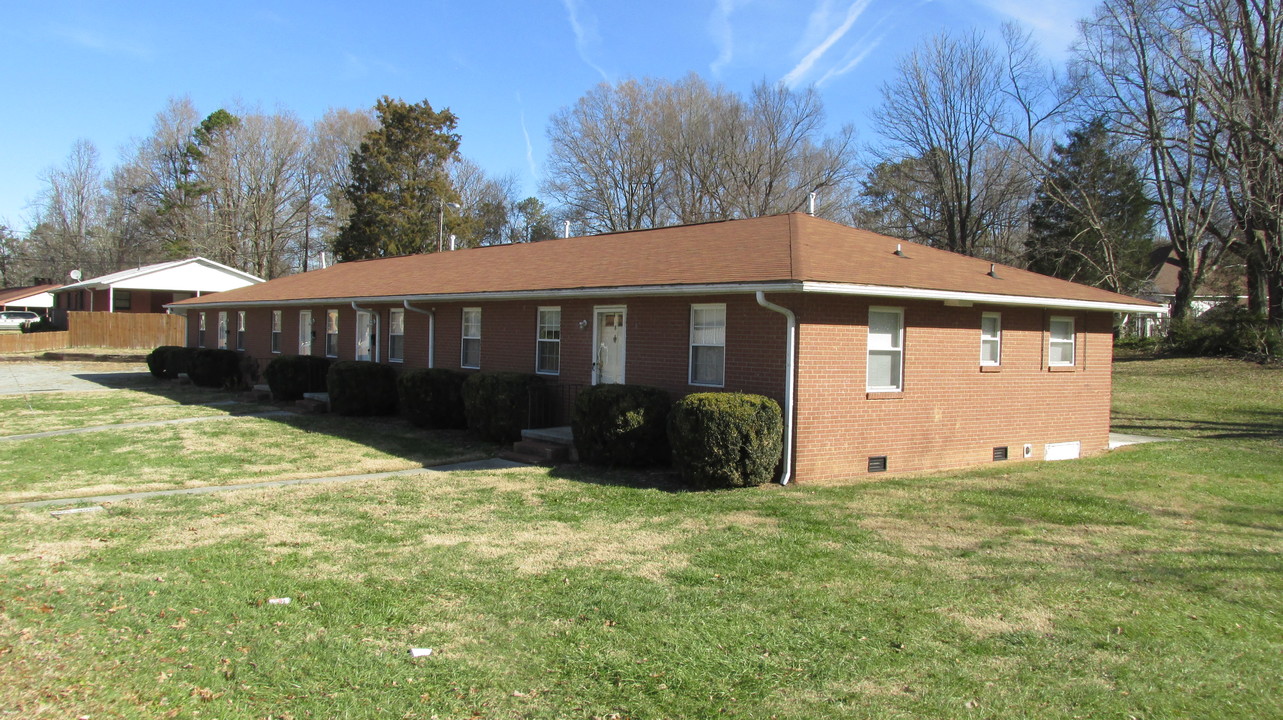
pixel 726 439
pixel 289 376
pixel 622 425
pixel 167 361
pixel 497 404
pixel 433 398
pixel 1225 330
pixel 358 387
pixel 215 368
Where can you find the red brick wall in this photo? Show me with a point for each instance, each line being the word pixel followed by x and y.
pixel 950 413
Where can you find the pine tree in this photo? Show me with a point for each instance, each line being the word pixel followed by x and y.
pixel 1090 221
pixel 399 182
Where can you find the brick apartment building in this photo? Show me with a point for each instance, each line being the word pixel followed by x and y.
pixel 886 355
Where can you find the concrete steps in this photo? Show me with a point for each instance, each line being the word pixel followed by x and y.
pixel 543 446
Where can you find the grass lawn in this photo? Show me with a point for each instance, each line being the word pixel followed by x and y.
pixel 219 452
pixel 1146 583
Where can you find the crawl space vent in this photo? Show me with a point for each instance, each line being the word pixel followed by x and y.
pixel 1000 453
pixel 878 463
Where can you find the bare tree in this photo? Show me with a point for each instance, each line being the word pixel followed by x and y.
pixel 1127 64
pixel 71 219
pixel 1232 52
pixel 950 173
pixel 651 153
pixel 605 166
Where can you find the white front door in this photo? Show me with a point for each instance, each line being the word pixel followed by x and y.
pixel 364 335
pixel 609 335
pixel 305 332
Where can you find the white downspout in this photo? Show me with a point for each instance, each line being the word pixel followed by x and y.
pixel 790 368
pixel 111 298
pixel 377 344
pixel 432 331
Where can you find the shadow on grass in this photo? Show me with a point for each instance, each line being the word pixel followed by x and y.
pixel 392 435
pixel 1269 426
pixel 663 479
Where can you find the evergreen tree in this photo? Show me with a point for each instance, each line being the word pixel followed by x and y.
pixel 1090 221
pixel 399 182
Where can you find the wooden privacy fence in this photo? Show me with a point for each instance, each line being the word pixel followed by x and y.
pixel 105 330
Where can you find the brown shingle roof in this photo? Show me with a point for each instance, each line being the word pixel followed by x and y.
pixel 775 250
pixel 10 294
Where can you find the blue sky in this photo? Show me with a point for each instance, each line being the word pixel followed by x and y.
pixel 102 70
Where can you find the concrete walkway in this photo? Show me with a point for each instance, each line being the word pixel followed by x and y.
pixel 1117 440
pixel 487 464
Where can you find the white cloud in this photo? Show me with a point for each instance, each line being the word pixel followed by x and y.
pixel 585 29
pixel 530 149
pixel 862 50
pixel 719 26
pixel 1053 24
pixel 794 76
pixel 102 42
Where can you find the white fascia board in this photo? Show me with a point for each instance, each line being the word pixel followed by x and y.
pixel 626 291
pixel 977 298
pixel 788 286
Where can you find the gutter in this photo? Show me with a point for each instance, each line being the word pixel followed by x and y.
pixel 377 326
pixel 785 286
pixel 432 331
pixel 790 368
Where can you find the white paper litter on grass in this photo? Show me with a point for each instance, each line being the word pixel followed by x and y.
pixel 420 652
pixel 278 601
pixel 73 511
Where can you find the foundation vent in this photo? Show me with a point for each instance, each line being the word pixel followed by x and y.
pixel 1000 453
pixel 878 463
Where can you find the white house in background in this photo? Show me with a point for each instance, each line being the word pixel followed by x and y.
pixel 149 288
pixel 36 298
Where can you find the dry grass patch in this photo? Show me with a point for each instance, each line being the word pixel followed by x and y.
pixel 1035 620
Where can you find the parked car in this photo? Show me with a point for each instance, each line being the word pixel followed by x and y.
pixel 17 319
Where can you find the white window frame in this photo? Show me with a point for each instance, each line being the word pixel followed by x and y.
pixel 465 339
pixel 396 317
pixel 331 347
pixel 547 335
pixel 690 355
pixel 240 329
pixel 222 330
pixel 306 334
pixel 895 350
pixel 276 332
pixel 200 332
pixel 1053 342
pixel 994 340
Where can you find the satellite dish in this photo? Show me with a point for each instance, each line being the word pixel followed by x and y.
pixel 75 274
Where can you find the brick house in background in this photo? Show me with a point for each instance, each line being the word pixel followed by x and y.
pixel 149 288
pixel 885 354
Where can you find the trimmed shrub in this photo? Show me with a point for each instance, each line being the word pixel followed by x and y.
pixel 1225 330
pixel 289 376
pixel 497 404
pixel 215 368
pixel 433 398
pixel 622 425
pixel 167 361
pixel 359 387
pixel 725 440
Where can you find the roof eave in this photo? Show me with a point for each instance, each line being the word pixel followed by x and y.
pixel 910 293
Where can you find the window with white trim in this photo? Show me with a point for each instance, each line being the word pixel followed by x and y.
pixel 885 350
pixel 331 333
pixel 276 331
pixel 306 332
pixel 1060 350
pixel 548 341
pixel 708 345
pixel 470 355
pixel 200 332
pixel 240 329
pixel 222 331
pixel 991 338
pixel 396 335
